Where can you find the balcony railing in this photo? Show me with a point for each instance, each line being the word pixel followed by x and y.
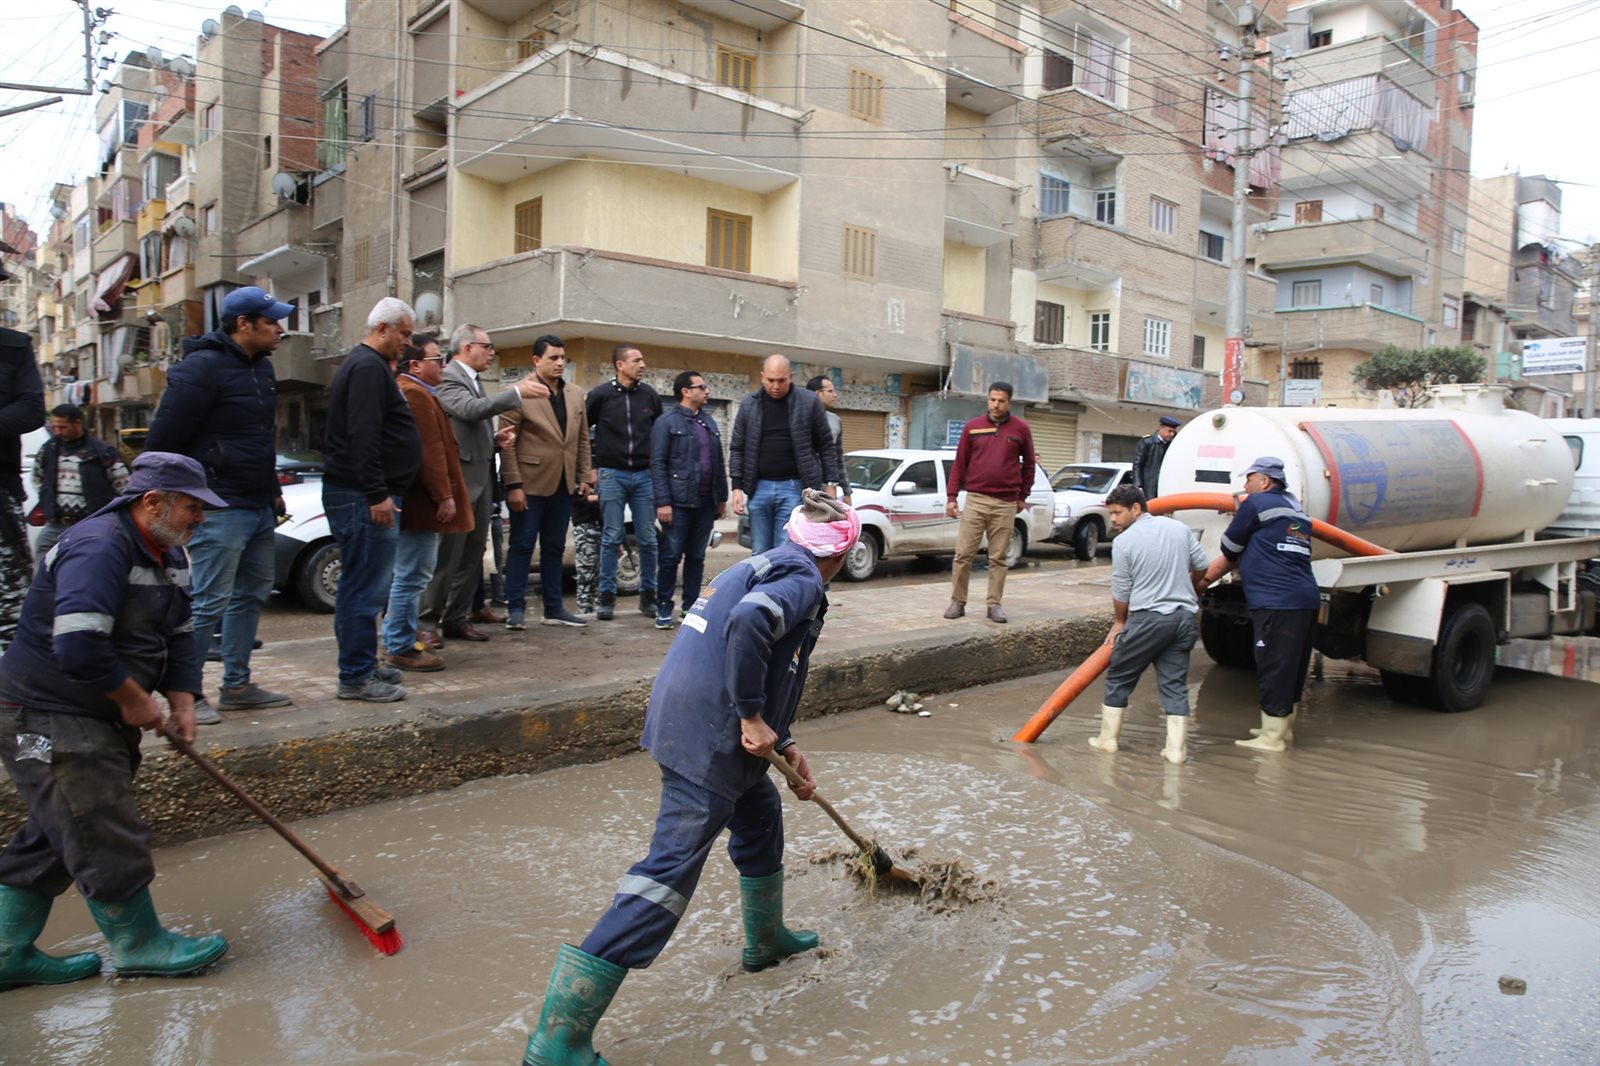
pixel 1368 241
pixel 1364 328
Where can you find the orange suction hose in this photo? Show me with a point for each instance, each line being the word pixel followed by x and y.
pixel 1096 664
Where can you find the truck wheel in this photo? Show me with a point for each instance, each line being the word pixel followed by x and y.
pixel 317 580
pixel 1228 641
pixel 863 558
pixel 1463 660
pixel 1086 539
pixel 1018 546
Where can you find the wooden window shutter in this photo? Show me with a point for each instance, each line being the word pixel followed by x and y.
pixel 529 231
pixel 866 95
pixel 860 258
pixel 532 45
pixel 728 241
pixel 736 70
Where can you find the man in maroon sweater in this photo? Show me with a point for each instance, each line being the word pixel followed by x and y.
pixel 994 464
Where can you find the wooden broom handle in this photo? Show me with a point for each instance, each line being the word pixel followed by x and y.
pixel 797 781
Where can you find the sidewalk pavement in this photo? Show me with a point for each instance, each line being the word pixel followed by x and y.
pixel 551 696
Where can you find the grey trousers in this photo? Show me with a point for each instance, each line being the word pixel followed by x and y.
pixel 448 598
pixel 1162 639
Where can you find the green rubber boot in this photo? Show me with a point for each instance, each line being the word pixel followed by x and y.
pixel 22 918
pixel 140 947
pixel 581 987
pixel 767 941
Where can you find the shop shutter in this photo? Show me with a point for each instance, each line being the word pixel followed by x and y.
pixel 863 430
pixel 1055 438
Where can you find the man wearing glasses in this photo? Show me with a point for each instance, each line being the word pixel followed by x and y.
pixel 690 488
pixel 447 602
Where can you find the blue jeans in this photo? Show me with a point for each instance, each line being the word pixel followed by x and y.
pixel 366 569
pixel 769 507
pixel 230 572
pixel 686 538
pixel 415 555
pixel 544 522
pixel 630 487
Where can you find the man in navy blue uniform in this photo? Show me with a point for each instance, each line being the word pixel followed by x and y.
pixel 725 697
pixel 1269 540
pixel 105 626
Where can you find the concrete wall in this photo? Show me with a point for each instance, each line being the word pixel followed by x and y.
pixel 964 267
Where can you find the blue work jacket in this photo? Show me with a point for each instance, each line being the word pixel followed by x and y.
pixel 1270 538
pixel 744 649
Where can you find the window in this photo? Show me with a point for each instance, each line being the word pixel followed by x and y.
pixel 210 122
pixel 1165 98
pixel 866 95
pixel 1306 294
pixel 1057 71
pixel 1049 322
pixel 1163 216
pixel 361 256
pixel 728 241
pixel 1055 196
pixel 82 231
pixel 1307 211
pixel 159 172
pixel 1212 246
pixel 150 256
pixel 208 220
pixel 1157 337
pixel 369 116
pixel 921 475
pixel 737 70
pixel 1105 206
pixel 528 223
pixel 1306 370
pixel 1321 38
pixel 1375 295
pixel 331 149
pixel 1197 353
pixel 1458 241
pixel 266 152
pixel 1451 313
pixel 1100 331
pixel 860 258
pixel 531 45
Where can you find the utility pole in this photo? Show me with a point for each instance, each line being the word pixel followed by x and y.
pixel 1593 347
pixel 1233 353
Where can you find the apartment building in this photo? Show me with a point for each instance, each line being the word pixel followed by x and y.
pixel 21 280
pixel 1520 284
pixel 1369 243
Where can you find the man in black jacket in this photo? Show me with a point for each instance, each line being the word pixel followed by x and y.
pixel 1152 450
pixel 220 408
pixel 781 446
pixel 21 411
pixel 374 454
pixel 621 412
pixel 75 473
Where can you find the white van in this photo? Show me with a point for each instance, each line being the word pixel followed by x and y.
pixel 1582 516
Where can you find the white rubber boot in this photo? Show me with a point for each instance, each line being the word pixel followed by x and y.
pixel 1288 735
pixel 1177 734
pixel 1271 735
pixel 1110 726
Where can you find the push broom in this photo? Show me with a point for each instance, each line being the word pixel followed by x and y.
pixel 371 920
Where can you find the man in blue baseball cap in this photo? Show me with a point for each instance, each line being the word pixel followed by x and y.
pixel 106 626
pixel 1269 540
pixel 220 408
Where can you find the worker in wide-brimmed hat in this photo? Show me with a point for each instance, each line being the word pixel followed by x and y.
pixel 105 627
pixel 725 696
pixel 1269 540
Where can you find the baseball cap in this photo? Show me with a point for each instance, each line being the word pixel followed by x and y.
pixel 1269 465
pixel 1168 420
pixel 170 472
pixel 254 300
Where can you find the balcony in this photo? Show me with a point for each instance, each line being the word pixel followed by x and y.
pixel 978 206
pixel 180 192
pixel 976 331
pixel 1211 294
pixel 757 14
pixel 1105 377
pixel 328 323
pixel 327 198
pixel 1367 241
pixel 1363 328
pixel 301 360
pixel 607 294
pixel 1366 56
pixel 1367 157
pixel 722 134
pixel 177 285
pixel 150 216
pixel 984 66
pixel 142 385
pixel 285 226
pixel 114 240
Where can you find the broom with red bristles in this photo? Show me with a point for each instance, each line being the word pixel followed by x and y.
pixel 372 920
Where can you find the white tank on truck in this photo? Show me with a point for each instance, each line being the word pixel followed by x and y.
pixel 1466 471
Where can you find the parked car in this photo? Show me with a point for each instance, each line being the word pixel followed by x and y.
pixel 900 495
pixel 307 558
pixel 1081 517
pixel 294 467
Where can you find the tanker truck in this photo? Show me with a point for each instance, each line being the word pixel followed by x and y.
pixel 1457 491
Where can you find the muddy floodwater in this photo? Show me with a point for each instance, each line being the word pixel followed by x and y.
pixel 1354 901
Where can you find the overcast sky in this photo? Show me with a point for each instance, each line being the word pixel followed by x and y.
pixel 1539 75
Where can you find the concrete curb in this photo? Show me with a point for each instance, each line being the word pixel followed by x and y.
pixel 436 748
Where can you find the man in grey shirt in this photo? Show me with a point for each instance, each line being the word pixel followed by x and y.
pixel 1157 569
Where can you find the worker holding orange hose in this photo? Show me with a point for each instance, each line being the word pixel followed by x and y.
pixel 1156 567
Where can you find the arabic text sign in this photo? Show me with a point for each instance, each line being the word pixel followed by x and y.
pixel 1553 355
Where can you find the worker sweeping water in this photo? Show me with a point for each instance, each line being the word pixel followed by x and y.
pixel 724 698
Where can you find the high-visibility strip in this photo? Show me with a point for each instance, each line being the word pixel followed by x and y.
pixel 82 622
pixel 655 892
pixel 767 603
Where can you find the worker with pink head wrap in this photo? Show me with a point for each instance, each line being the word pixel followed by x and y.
pixel 725 696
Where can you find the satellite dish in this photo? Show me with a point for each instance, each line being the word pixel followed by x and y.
pixel 154 54
pixel 285 185
pixel 181 67
pixel 183 226
pixel 256 16
pixel 125 361
pixel 58 210
pixel 428 307
pixel 209 28
pixel 233 11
